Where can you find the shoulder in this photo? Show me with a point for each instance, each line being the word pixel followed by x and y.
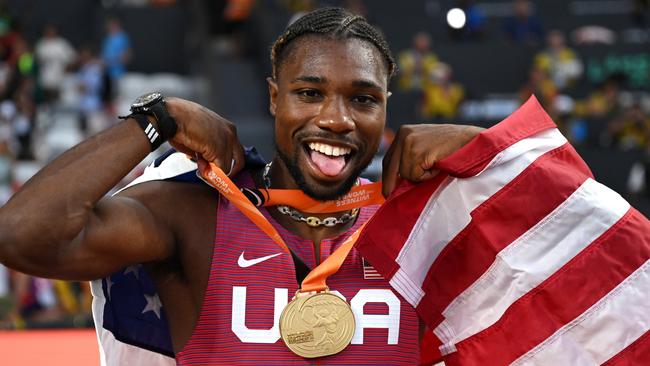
pixel 172 180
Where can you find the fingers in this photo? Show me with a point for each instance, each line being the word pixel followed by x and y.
pixel 391 165
pixel 238 159
pixel 416 162
pixel 412 156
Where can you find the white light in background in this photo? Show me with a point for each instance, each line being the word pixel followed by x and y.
pixel 456 18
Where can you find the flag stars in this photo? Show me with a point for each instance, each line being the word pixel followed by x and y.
pixel 153 304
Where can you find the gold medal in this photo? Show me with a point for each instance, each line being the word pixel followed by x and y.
pixel 317 324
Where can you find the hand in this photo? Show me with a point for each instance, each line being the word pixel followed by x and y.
pixel 206 135
pixel 417 148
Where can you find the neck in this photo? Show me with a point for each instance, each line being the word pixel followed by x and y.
pixel 280 178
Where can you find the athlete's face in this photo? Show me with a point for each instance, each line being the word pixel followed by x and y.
pixel 329 103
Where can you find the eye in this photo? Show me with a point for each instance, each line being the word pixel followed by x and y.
pixel 364 99
pixel 309 94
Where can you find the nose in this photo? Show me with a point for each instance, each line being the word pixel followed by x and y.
pixel 335 116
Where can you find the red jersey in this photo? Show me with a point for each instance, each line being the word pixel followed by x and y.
pixel 251 281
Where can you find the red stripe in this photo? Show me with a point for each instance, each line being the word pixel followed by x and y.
pixel 472 158
pixel 561 298
pixel 637 353
pixel 383 237
pixel 455 269
pixel 382 240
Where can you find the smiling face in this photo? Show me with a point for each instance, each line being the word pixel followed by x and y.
pixel 329 103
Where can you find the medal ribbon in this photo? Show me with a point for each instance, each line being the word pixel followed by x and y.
pixel 316 280
pixel 358 196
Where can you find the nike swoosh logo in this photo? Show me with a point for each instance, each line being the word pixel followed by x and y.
pixel 243 262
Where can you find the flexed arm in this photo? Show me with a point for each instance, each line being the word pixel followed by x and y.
pixel 59 224
pixel 417 148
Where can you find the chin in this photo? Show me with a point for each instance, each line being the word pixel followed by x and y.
pixel 318 190
pixel 328 192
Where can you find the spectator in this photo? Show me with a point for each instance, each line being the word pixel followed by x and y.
pixel 541 85
pixel 116 49
pixel 559 62
pixel 416 64
pixel 90 81
pixel 23 122
pixel 524 27
pixel 442 97
pixel 54 55
pixel 604 101
pixel 631 130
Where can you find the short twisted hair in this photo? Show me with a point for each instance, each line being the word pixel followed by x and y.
pixel 336 23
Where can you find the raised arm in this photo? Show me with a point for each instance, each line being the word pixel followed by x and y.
pixel 417 148
pixel 60 225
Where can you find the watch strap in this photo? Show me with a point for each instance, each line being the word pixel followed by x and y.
pixel 150 131
pixel 166 123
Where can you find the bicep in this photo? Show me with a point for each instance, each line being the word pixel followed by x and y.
pixel 120 231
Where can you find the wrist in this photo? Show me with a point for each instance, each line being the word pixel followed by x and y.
pixel 149 127
pixel 155 104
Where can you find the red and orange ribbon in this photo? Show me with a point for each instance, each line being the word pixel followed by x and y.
pixel 359 196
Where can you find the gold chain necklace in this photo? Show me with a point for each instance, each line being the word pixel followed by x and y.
pixel 309 220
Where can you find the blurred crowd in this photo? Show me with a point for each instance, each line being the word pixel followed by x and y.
pixel 607 115
pixel 52 94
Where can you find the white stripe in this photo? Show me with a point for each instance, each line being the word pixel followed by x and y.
pixel 448 210
pixel 410 291
pixel 154 137
pixel 603 331
pixel 151 133
pixel 174 165
pixel 532 258
pixel 146 130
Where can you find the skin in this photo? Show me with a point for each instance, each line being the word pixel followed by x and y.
pixel 329 98
pixel 60 225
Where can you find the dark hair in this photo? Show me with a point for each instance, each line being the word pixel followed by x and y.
pixel 336 23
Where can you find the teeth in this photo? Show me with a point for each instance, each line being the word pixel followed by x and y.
pixel 329 149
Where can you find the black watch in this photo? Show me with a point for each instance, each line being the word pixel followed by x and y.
pixel 153 104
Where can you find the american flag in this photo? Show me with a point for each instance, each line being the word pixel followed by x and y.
pixel 514 254
pixel 369 272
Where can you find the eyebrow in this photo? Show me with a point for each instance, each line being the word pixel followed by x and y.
pixel 310 79
pixel 366 84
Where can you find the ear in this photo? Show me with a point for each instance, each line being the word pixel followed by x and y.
pixel 273 94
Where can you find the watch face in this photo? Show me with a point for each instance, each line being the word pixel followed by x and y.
pixel 145 100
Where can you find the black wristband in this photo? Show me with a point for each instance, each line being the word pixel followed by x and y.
pixel 150 131
pixel 166 123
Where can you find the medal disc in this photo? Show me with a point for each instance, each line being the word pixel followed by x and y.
pixel 317 324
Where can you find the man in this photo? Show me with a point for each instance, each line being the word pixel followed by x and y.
pixel 116 49
pixel 221 281
pixel 54 55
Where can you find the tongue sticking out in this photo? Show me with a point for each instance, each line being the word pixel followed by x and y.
pixel 328 165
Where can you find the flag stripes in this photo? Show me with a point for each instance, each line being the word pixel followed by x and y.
pixel 515 254
pixel 557 238
pixel 518 208
pixel 603 330
pixel 419 251
pixel 635 354
pixel 561 298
